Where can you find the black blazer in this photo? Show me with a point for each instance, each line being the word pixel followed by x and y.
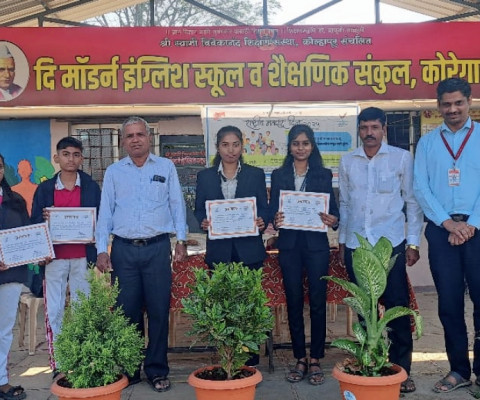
pixel 251 183
pixel 13 213
pixel 318 180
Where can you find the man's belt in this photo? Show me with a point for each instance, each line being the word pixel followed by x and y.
pixel 142 242
pixel 459 217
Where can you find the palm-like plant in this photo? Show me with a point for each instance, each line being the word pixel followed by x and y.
pixel 371 265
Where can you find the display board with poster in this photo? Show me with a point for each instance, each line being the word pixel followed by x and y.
pixel 265 130
pixel 432 118
pixel 188 154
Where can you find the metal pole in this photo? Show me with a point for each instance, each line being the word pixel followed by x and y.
pixel 377 11
pixel 265 12
pixel 152 12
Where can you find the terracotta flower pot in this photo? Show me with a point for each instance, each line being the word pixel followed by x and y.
pixel 237 389
pixel 354 387
pixel 109 392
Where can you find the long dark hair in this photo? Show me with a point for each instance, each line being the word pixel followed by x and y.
pixel 3 183
pixel 315 159
pixel 17 201
pixel 222 132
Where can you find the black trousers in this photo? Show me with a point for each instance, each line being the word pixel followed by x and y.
pixel 396 294
pixel 294 263
pixel 145 278
pixel 451 267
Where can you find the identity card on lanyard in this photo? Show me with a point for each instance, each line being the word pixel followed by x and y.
pixel 454 173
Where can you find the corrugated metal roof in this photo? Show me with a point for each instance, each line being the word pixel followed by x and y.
pixel 469 10
pixel 60 12
pixel 32 12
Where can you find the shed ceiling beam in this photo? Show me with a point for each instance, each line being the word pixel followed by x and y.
pixel 47 12
pixel 458 16
pixel 214 12
pixel 467 4
pixel 312 12
pixel 65 22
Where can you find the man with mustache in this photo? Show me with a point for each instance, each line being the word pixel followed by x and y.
pixel 376 183
pixel 8 89
pixel 142 204
pixel 446 184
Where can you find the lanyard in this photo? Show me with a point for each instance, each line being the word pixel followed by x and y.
pixel 459 152
pixel 304 184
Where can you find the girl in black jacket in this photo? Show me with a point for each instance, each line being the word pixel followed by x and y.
pixel 303 250
pixel 13 213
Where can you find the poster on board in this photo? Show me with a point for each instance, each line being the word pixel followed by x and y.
pixel 265 129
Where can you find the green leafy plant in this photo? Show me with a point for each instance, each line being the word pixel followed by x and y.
pixel 97 343
pixel 229 310
pixel 371 265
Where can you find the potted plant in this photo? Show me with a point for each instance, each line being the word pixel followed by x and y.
pixel 96 345
pixel 369 365
pixel 229 311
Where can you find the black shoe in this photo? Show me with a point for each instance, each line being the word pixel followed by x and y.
pixel 56 374
pixel 253 361
pixel 133 380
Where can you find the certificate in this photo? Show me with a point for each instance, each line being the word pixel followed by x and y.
pixel 301 210
pixel 232 218
pixel 72 224
pixel 25 245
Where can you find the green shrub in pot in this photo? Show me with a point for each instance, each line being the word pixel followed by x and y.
pixel 228 308
pixel 97 343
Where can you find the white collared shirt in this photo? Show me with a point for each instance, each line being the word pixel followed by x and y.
pixel 6 94
pixel 59 184
pixel 141 202
pixel 299 179
pixel 373 193
pixel 229 186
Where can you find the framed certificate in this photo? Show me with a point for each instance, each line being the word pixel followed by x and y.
pixel 72 224
pixel 232 218
pixel 25 244
pixel 302 210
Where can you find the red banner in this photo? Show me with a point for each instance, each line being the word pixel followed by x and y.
pixel 205 65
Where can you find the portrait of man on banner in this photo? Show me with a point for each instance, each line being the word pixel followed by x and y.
pixel 13 70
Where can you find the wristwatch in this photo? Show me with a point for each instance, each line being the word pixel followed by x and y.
pixel 182 242
pixel 412 246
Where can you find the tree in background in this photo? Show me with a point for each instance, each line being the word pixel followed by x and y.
pixel 182 13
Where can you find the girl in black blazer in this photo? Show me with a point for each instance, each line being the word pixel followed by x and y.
pixel 13 213
pixel 230 178
pixel 300 251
